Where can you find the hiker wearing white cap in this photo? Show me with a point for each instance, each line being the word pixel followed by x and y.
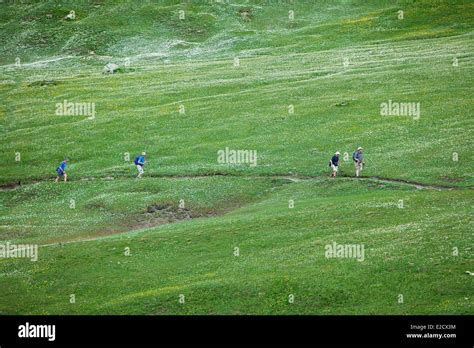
pixel 358 158
pixel 334 163
pixel 140 163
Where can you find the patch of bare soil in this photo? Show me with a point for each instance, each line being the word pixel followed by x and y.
pixel 245 13
pixel 163 213
pixel 42 83
pixel 9 186
pixel 155 215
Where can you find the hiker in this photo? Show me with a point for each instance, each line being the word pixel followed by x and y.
pixel 333 163
pixel 358 160
pixel 140 162
pixel 61 170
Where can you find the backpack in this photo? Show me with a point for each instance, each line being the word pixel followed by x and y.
pixel 353 156
pixel 136 160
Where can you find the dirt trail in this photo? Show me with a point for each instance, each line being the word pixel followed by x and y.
pixel 172 219
pixel 291 178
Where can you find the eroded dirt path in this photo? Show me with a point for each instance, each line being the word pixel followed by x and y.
pixel 291 178
pixel 159 215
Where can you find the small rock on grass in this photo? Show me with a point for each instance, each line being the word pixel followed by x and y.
pixel 110 68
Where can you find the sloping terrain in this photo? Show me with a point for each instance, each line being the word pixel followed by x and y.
pixel 293 81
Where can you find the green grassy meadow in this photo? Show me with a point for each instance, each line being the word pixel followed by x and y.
pixel 235 238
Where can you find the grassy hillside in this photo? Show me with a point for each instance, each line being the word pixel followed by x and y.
pixel 247 107
pixel 281 252
pixel 247 77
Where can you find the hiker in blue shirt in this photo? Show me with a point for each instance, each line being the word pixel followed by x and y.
pixel 334 163
pixel 358 159
pixel 140 162
pixel 61 170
